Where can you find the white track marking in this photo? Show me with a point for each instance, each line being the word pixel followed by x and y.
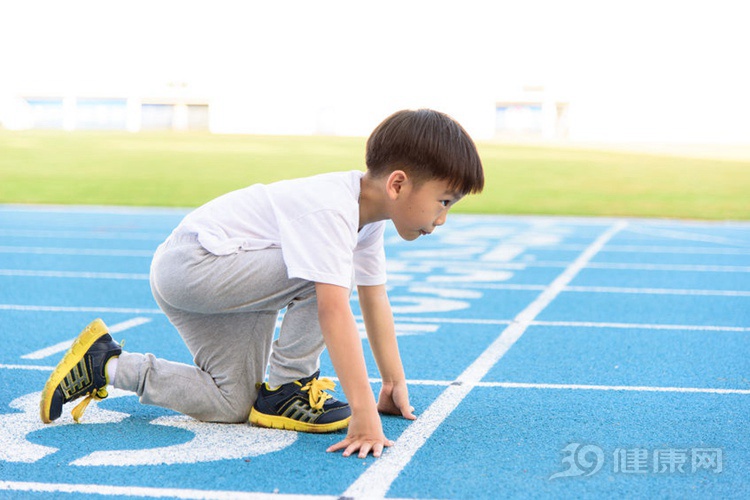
pixel 87 235
pixel 27 367
pixel 478 278
pixel 77 251
pixel 643 326
pixel 458 321
pixel 211 442
pixel 73 274
pixel 64 345
pixel 574 387
pixel 125 310
pixel 676 250
pixel 508 385
pixel 14 427
pixel 633 388
pixel 572 247
pixel 377 479
pixel 403 329
pixel 613 289
pixel 681 235
pixel 150 492
pixel 504 252
pixel 646 267
pixel 582 387
pixel 657 291
pixel 581 324
pixel 665 267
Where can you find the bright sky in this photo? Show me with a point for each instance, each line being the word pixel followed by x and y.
pixel 632 70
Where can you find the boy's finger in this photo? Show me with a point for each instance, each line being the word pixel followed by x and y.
pixel 351 449
pixel 408 413
pixel 338 446
pixel 365 449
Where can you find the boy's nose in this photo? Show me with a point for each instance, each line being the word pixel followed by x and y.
pixel 441 220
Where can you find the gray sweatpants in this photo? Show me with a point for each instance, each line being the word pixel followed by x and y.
pixel 225 308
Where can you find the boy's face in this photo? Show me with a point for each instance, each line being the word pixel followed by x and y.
pixel 418 210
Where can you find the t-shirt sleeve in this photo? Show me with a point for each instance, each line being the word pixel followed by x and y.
pixel 369 257
pixel 319 247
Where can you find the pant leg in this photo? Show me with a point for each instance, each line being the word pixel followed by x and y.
pixel 296 353
pixel 230 352
pixel 225 309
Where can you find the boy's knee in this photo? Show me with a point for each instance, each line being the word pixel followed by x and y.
pixel 233 416
pixel 235 407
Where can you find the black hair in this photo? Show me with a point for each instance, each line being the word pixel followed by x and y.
pixel 427 145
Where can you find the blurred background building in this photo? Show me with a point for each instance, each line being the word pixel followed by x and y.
pixel 567 70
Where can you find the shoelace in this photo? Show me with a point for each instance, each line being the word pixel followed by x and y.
pixel 315 389
pixel 97 394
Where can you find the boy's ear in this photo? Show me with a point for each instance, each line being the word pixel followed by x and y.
pixel 395 183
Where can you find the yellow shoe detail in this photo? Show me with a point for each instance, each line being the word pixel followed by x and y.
pixel 297 415
pixel 98 395
pixel 315 389
pixel 72 357
pixel 285 423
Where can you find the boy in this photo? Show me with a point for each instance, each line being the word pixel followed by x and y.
pixel 231 265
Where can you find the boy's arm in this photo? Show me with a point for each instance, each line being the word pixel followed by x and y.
pixel 381 332
pixel 345 349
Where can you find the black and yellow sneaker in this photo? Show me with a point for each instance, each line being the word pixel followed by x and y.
pixel 302 405
pixel 80 373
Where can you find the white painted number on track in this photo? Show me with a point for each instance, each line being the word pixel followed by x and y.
pixel 210 442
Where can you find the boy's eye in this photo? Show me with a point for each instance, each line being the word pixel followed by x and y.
pixel 445 203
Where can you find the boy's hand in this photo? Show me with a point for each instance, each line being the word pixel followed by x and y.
pixel 365 435
pixel 394 400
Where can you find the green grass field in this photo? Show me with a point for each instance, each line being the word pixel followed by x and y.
pixel 187 169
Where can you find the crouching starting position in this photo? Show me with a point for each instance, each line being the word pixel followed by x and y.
pixel 233 264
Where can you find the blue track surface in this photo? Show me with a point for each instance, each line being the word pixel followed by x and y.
pixel 548 357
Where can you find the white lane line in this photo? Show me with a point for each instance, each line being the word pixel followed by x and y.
pixel 27 367
pixel 659 249
pixel 377 479
pixel 151 492
pixel 459 321
pixel 629 266
pixel 459 284
pixel 463 264
pixel 77 251
pixel 658 291
pixel 64 345
pixel 633 388
pixel 73 274
pixel 412 319
pixel 669 267
pixel 643 326
pixel 577 324
pixel 662 232
pixel 125 310
pixel 578 387
pixel 506 385
pixel 111 234
pixel 605 289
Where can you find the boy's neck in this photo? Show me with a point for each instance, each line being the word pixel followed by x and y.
pixel 373 200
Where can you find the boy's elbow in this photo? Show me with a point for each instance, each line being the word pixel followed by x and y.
pixel 333 304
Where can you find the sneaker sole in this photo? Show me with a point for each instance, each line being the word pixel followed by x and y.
pixel 72 357
pixel 285 423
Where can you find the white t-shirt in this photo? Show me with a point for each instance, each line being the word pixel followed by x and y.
pixel 314 220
